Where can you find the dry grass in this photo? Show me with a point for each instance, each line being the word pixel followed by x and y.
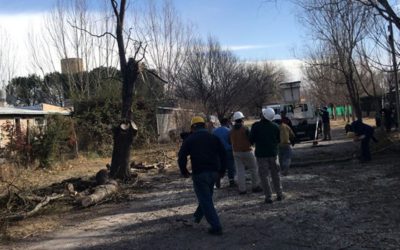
pixel 82 167
pixel 36 180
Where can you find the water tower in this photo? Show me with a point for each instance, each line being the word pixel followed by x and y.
pixel 71 65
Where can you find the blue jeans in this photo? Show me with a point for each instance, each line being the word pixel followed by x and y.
pixel 203 185
pixel 285 156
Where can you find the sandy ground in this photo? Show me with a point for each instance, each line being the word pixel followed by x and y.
pixel 329 205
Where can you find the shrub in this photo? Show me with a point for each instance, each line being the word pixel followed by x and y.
pixel 96 118
pixel 94 122
pixel 17 147
pixel 53 141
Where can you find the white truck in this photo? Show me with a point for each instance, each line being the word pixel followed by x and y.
pixel 303 115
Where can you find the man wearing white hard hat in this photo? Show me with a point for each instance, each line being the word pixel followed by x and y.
pixel 243 154
pixel 266 136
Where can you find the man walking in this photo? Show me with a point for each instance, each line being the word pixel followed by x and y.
pixel 223 134
pixel 208 158
pixel 243 155
pixel 266 137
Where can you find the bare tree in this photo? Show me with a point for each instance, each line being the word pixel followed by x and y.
pixel 341 24
pixel 325 83
pixel 384 9
pixel 387 10
pixel 124 134
pixel 168 40
pixel 262 86
pixel 212 77
pixel 69 33
pixel 7 59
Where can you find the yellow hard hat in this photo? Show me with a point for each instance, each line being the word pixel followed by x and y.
pixel 197 119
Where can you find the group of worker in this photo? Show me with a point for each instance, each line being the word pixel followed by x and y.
pixel 213 151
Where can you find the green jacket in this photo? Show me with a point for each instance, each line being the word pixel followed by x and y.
pixel 266 137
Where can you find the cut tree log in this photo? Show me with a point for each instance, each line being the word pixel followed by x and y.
pixel 100 192
pixel 158 165
pixel 143 166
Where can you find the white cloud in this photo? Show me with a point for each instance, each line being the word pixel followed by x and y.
pixel 17 28
pixel 292 67
pixel 251 47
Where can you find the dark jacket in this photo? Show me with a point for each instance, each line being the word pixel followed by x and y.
pixel 266 137
pixel 359 128
pixel 206 153
pixel 325 116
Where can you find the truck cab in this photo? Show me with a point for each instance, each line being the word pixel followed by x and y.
pixel 302 115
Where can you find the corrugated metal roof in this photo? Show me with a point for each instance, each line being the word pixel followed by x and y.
pixel 21 111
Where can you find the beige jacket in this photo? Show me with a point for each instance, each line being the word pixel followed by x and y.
pixel 286 134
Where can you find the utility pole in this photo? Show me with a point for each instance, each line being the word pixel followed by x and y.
pixel 396 81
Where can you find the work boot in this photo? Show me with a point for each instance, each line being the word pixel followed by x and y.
pixel 242 192
pixel 196 220
pixel 280 197
pixel 268 200
pixel 215 231
pixel 257 190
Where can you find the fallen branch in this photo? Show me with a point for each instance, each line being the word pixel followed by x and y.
pixel 100 193
pixel 37 208
pixel 33 197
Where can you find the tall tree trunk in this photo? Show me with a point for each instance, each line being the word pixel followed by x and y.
pixel 129 79
pixel 123 140
pixel 354 96
pixel 126 130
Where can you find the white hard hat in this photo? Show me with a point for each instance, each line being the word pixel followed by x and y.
pixel 238 115
pixel 277 117
pixel 268 114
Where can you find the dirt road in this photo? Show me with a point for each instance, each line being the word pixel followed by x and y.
pixel 329 206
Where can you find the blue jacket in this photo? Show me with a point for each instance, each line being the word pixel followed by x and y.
pixel 206 153
pixel 223 134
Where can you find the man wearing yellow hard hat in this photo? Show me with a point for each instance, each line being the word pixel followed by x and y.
pixel 208 158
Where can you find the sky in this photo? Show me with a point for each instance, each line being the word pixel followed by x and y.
pixel 253 29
